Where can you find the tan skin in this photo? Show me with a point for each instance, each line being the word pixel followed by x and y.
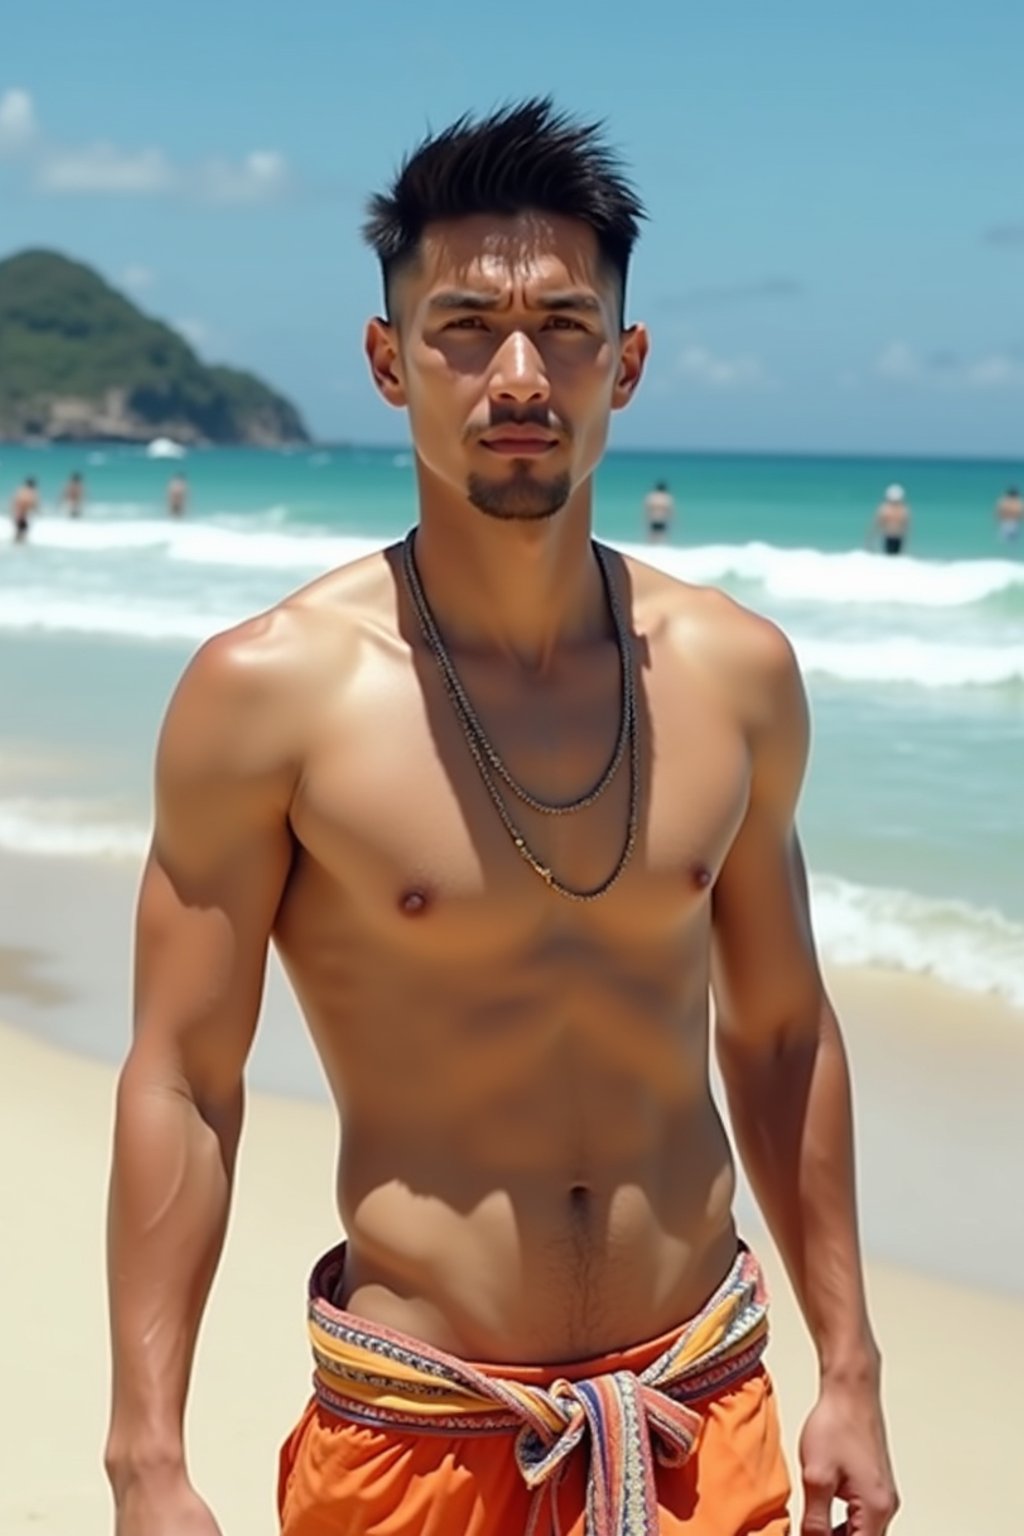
pixel 1010 510
pixel 892 520
pixel 73 496
pixel 177 496
pixel 24 506
pixel 533 1167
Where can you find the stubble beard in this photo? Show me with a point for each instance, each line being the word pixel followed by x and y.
pixel 522 498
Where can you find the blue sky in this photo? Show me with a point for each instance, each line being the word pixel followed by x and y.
pixel 835 253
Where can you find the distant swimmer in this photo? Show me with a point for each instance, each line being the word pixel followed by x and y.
pixel 891 523
pixel 24 506
pixel 1010 514
pixel 177 496
pixel 73 495
pixel 659 509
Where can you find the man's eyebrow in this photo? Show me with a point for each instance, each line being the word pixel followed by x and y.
pixel 473 300
pixel 454 298
pixel 573 299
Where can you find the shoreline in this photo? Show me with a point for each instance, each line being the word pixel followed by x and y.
pixel 951 1404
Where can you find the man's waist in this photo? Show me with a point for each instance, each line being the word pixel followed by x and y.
pixel 538 1298
pixel 372 1373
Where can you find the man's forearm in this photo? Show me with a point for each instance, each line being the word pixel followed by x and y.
pixel 791 1114
pixel 169 1198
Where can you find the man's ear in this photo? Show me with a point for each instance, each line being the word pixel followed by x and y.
pixel 381 347
pixel 635 345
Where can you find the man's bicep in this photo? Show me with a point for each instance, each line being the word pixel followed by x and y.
pixel 213 882
pixel 764 967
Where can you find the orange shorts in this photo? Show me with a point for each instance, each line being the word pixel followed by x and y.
pixel 341 1478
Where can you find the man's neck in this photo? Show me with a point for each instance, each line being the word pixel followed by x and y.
pixel 518 589
pixel 521 589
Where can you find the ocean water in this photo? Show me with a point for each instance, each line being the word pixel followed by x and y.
pixel 913 814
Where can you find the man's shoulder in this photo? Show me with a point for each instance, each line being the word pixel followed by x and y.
pixel 711 620
pixel 263 681
pixel 740 657
pixel 315 626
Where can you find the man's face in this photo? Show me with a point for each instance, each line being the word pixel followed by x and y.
pixel 505 346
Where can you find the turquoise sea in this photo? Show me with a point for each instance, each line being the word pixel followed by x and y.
pixel 913 815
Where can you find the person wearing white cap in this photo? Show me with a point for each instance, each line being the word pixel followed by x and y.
pixel 891 523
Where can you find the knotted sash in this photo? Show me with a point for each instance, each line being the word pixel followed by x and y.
pixel 373 1375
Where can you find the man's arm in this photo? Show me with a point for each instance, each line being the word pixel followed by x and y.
pixel 787 1083
pixel 216 871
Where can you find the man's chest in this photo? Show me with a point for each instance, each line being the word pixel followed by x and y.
pixel 404 804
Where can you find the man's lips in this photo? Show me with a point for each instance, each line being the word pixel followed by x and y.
pixel 519 442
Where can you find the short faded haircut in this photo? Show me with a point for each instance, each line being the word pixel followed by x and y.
pixel 522 157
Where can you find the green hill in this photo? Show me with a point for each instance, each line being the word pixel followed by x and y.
pixel 79 361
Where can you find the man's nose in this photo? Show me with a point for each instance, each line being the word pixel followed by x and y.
pixel 518 374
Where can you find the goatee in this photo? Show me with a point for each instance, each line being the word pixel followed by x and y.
pixel 523 498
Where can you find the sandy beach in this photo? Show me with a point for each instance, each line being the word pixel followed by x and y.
pixel 938 1078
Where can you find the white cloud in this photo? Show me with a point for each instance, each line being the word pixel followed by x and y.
pixel 261 176
pixel 994 372
pixel 18 126
pixel 105 168
pixel 899 363
pixel 102 168
pixel 704 367
pixel 137 279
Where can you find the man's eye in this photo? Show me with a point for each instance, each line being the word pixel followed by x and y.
pixel 563 323
pixel 466 323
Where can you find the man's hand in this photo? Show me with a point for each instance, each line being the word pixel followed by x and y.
pixel 843 1455
pixel 165 1505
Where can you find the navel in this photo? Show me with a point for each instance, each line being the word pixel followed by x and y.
pixel 414 902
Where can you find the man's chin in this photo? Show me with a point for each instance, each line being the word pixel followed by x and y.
pixel 524 498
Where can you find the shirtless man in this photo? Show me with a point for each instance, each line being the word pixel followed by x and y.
pixel 891 523
pixel 658 508
pixel 511 1006
pixel 177 495
pixel 73 495
pixel 1010 514
pixel 24 506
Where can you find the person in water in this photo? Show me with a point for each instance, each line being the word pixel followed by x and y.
pixel 659 509
pixel 890 526
pixel 506 802
pixel 73 495
pixel 24 506
pixel 177 495
pixel 1010 514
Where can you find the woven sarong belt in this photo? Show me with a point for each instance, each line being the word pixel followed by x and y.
pixel 373 1375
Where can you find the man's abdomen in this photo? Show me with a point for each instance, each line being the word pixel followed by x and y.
pixel 535 1265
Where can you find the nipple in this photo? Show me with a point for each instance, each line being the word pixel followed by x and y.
pixel 701 876
pixel 414 902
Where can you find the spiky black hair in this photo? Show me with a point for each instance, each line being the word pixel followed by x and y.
pixel 523 156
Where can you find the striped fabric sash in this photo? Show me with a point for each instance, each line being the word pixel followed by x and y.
pixel 375 1376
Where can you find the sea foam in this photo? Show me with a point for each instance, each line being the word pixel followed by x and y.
pixel 266 540
pixel 975 948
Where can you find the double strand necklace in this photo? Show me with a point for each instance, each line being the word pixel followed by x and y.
pixel 488 760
